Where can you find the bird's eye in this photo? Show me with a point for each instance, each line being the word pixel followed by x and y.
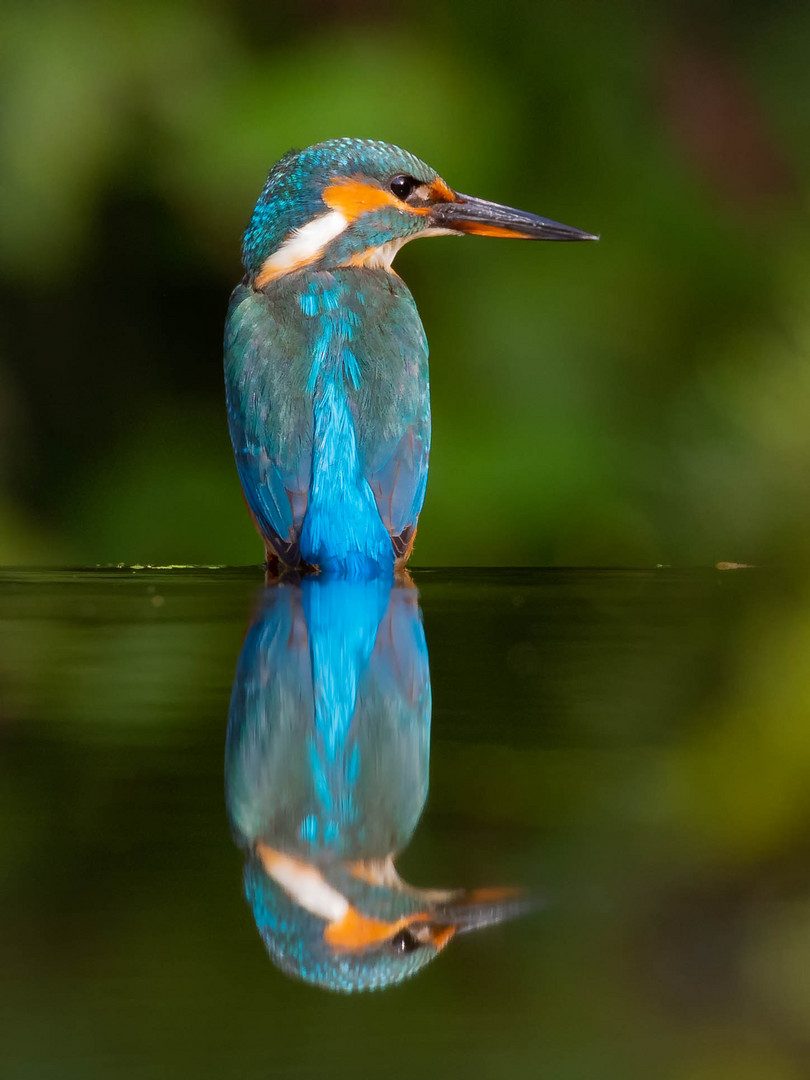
pixel 403 185
pixel 404 941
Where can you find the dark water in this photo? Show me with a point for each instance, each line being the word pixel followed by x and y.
pixel 630 748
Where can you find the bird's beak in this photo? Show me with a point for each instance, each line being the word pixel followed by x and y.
pixel 467 214
pixel 474 909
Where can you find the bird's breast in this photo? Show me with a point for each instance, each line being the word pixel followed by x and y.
pixel 329 411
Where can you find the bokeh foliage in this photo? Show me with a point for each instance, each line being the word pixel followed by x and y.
pixel 640 401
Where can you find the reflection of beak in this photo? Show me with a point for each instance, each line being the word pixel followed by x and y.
pixel 482 218
pixel 476 908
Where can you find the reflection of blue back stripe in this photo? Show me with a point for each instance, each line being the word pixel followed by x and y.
pixel 342 620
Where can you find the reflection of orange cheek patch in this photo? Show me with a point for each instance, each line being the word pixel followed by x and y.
pixel 354 197
pixel 475 228
pixel 356 931
pixel 441 937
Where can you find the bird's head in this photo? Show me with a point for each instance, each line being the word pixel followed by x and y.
pixel 358 926
pixel 355 202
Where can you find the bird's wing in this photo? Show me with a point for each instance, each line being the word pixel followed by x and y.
pixel 266 769
pixel 392 404
pixel 392 725
pixel 269 419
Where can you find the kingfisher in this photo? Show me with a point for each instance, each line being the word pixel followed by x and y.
pixel 326 776
pixel 326 360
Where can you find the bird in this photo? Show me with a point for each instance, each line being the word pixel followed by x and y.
pixel 326 359
pixel 326 775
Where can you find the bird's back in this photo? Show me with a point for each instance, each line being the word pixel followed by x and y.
pixel 328 406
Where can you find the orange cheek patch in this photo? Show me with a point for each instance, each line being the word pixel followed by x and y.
pixel 354 197
pixel 441 192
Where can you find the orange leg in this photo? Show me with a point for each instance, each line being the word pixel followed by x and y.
pixel 399 565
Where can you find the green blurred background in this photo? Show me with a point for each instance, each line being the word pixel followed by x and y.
pixel 640 401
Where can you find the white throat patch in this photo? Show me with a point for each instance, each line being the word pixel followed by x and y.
pixel 380 258
pixel 302 246
pixel 304 884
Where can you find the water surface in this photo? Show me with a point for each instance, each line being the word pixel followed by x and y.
pixel 632 748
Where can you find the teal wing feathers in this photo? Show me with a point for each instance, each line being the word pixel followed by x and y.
pixel 392 402
pixel 270 415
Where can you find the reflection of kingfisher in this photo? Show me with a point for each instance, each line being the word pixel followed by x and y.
pixel 326 776
pixel 325 356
